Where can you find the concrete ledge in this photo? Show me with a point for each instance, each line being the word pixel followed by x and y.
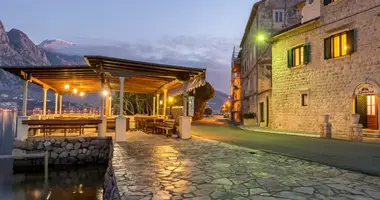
pixel 256 129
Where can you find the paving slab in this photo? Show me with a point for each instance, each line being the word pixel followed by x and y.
pixel 157 167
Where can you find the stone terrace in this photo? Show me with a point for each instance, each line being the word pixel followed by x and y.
pixel 156 167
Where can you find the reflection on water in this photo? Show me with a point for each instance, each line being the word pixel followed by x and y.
pixel 80 183
pixel 7 131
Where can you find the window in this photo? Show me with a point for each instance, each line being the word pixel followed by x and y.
pixel 339 45
pixel 299 55
pixel 326 2
pixel 262 112
pixel 371 105
pixel 304 100
pixel 278 16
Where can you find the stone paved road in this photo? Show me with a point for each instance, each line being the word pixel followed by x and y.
pixel 156 167
pixel 361 157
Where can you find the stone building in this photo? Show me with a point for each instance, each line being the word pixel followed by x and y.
pixel 235 93
pixel 328 65
pixel 266 18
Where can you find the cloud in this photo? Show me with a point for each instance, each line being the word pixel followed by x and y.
pixel 211 53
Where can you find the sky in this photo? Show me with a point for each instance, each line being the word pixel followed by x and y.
pixel 199 32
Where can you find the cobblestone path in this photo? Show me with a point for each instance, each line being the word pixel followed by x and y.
pixel 156 167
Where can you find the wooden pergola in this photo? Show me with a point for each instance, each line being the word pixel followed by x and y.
pixel 140 77
pixel 111 74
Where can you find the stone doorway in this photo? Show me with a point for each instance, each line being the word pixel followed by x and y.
pixel 366 104
pixel 367 107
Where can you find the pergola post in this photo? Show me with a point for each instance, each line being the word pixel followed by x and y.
pixel 22 129
pixel 121 121
pixel 60 104
pixel 56 104
pixel 154 106
pixel 185 121
pixel 158 104
pixel 25 98
pixel 102 127
pixel 110 105
pixel 185 96
pixel 165 101
pixel 44 101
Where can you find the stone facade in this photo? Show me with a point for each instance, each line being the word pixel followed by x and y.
pixel 65 151
pixel 256 60
pixel 330 84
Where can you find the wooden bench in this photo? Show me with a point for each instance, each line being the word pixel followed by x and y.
pixel 168 126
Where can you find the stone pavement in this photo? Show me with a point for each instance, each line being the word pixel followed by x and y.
pixel 156 167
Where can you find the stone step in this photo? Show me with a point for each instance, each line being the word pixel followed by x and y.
pixel 371 134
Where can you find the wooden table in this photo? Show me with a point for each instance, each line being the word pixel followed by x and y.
pixel 64 124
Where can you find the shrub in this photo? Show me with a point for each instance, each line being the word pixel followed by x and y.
pixel 249 115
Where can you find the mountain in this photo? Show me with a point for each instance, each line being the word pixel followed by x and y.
pixel 219 99
pixel 16 49
pixel 55 44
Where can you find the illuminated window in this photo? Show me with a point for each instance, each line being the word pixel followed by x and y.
pixel 298 55
pixel 339 45
pixel 371 105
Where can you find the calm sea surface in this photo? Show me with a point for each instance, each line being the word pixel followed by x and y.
pixel 82 183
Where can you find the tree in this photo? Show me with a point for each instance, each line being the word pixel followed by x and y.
pixel 134 103
pixel 208 111
pixel 202 96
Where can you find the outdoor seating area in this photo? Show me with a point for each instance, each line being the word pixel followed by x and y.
pixel 108 77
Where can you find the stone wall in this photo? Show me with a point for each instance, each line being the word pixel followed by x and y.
pixel 65 151
pixel 110 190
pixel 256 55
pixel 330 83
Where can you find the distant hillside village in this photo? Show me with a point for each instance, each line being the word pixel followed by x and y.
pixel 307 65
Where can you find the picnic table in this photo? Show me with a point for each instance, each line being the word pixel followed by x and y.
pixel 64 124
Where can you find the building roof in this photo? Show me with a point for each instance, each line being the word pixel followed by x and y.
pixel 250 21
pixel 294 27
pixel 141 77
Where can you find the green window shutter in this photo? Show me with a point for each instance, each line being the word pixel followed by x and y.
pixel 306 53
pixel 327 48
pixel 326 2
pixel 351 41
pixel 290 58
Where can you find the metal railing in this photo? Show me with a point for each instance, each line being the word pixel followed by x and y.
pixel 45 155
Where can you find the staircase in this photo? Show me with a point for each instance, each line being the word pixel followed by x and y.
pixel 371 133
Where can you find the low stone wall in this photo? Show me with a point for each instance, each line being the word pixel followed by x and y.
pixel 110 190
pixel 65 151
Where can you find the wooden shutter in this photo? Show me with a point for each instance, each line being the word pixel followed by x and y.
pixel 351 41
pixel 290 58
pixel 326 2
pixel 306 53
pixel 327 48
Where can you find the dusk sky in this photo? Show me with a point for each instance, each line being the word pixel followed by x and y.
pixel 200 31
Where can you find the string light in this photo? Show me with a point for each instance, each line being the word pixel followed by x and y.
pixel 75 91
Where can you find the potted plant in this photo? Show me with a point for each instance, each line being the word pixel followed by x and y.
pixel 355 118
pixel 249 119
